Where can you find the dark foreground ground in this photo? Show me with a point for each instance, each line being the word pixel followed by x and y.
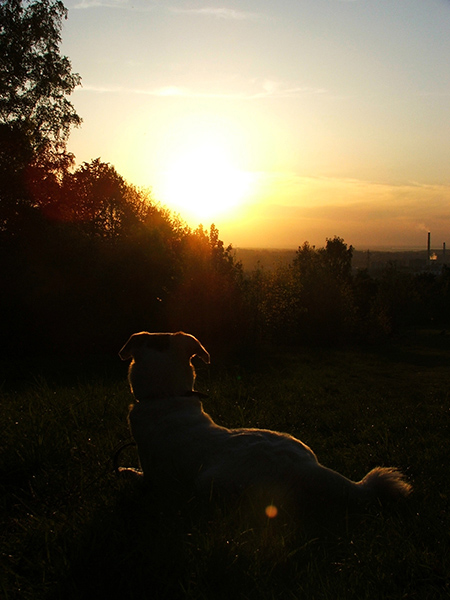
pixel 69 529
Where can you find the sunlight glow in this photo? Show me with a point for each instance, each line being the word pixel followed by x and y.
pixel 202 183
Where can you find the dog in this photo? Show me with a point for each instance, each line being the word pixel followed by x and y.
pixel 178 443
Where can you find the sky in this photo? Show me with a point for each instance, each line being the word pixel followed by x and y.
pixel 280 121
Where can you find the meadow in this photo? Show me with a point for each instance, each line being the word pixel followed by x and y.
pixel 70 529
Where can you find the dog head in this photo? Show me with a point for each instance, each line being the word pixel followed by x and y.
pixel 161 363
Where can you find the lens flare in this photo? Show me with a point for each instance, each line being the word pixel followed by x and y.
pixel 271 511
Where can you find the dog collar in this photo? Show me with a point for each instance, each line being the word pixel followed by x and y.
pixel 190 393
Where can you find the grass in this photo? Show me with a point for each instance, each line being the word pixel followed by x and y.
pixel 70 529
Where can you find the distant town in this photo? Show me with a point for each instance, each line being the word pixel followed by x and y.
pixel 427 259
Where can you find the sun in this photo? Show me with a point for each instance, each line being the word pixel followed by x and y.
pixel 202 183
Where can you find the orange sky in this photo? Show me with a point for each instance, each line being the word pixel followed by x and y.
pixel 278 121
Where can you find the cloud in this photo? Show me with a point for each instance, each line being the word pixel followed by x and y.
pixel 270 88
pixel 115 4
pixel 224 13
pixel 170 90
pixel 85 4
pixel 363 212
pixel 219 13
pixel 255 90
pixel 318 194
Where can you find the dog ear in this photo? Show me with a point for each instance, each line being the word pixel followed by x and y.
pixel 134 345
pixel 192 346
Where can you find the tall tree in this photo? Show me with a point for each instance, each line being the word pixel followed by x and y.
pixel 35 79
pixel 338 257
pixel 35 113
pixel 97 197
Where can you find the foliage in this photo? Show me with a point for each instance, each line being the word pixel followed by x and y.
pixel 319 298
pixel 91 258
pixel 98 258
pixel 311 299
pixel 35 79
pixel 274 302
pixel 98 199
pixel 88 259
pixel 35 113
pixel 206 296
pixel 70 529
pixel 325 275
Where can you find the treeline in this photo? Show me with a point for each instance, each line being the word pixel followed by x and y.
pixel 319 298
pixel 87 259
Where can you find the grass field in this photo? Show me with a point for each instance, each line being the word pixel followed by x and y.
pixel 70 529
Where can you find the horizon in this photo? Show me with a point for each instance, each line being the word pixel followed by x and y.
pixel 278 123
pixel 356 249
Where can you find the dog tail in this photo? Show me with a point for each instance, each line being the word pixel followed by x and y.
pixel 385 484
pixel 325 487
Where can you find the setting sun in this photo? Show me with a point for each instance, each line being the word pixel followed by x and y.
pixel 202 183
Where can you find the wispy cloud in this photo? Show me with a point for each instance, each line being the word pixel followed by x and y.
pixel 115 4
pixel 219 13
pixel 85 4
pixel 223 12
pixel 270 88
pixel 365 213
pixel 256 90
pixel 359 200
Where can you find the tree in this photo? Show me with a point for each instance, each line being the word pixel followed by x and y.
pixel 206 293
pixel 338 258
pixel 306 260
pixel 35 114
pixel 326 293
pixel 35 79
pixel 99 199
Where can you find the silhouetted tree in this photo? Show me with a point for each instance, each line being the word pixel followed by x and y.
pixel 35 114
pixel 325 304
pixel 206 297
pixel 276 304
pixel 338 258
pixel 396 303
pixel 35 79
pixel 100 201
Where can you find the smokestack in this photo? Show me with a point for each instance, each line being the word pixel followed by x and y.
pixel 443 252
pixel 429 245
